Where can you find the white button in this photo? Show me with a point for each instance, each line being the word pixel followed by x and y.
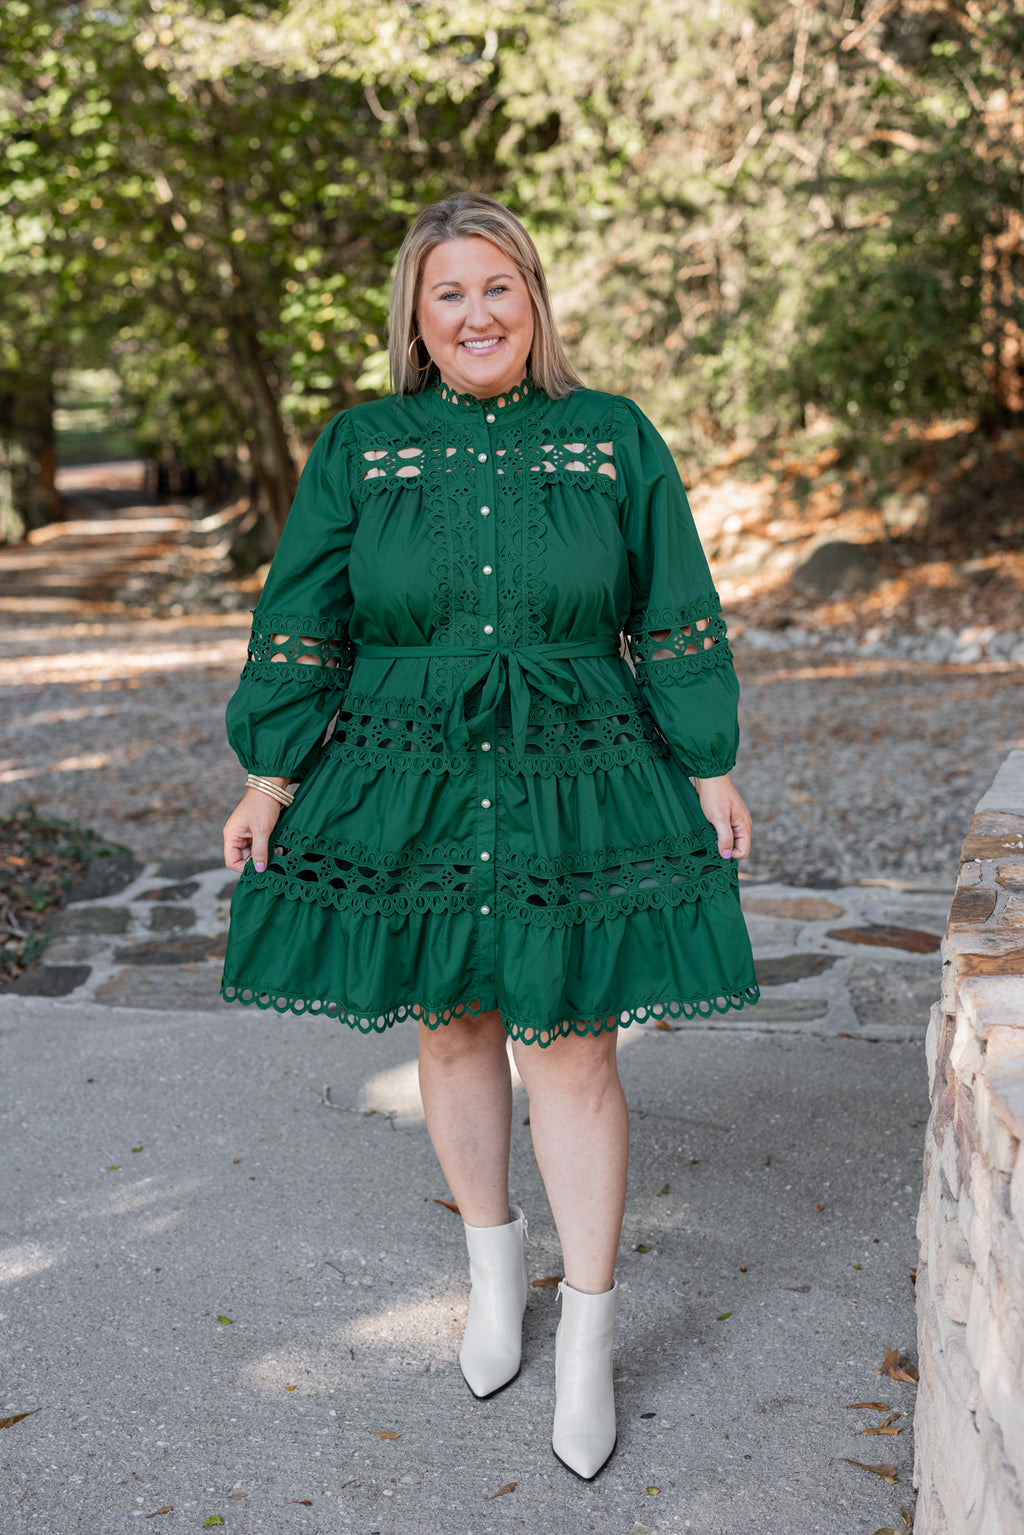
pixel 485 856
pixel 486 804
pixel 485 746
pixel 482 457
pixel 484 910
pixel 488 570
pixel 485 511
pixel 488 628
pixel 490 417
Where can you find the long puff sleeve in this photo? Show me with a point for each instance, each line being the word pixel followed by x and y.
pixel 300 657
pixel 677 636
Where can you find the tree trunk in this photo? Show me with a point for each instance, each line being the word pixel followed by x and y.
pixel 1002 309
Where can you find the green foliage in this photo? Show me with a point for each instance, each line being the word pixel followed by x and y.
pixel 746 210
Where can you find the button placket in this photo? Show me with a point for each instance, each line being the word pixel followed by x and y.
pixel 487 754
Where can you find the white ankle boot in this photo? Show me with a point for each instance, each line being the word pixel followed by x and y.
pixel 583 1436
pixel 492 1345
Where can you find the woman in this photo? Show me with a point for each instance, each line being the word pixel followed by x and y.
pixel 501 837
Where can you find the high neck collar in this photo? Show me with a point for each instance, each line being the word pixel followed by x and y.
pixel 509 403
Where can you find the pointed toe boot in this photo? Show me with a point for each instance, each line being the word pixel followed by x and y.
pixel 583 1436
pixel 492 1344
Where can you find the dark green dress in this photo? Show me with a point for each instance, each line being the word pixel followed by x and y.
pixel 503 815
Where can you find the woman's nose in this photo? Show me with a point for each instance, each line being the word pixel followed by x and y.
pixel 478 314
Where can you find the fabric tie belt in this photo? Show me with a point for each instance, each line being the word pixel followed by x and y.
pixel 519 665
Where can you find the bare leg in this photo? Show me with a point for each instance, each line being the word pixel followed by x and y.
pixel 580 1127
pixel 466 1086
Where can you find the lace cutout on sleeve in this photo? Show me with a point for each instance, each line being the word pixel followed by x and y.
pixel 296 648
pixel 673 644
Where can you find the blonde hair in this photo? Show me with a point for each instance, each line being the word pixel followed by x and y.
pixel 460 217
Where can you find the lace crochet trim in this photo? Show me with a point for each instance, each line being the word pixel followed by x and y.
pixel 311 650
pixel 406 735
pixel 673 645
pixel 646 1014
pixel 546 892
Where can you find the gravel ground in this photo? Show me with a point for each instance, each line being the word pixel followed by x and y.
pixel 852 769
pixel 855 765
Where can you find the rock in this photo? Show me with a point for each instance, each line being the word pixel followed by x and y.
pixel 796 908
pixel 105 876
pixel 780 1010
pixel 170 892
pixel 885 994
pixel 89 919
pixel 171 919
pixel 174 951
pixel 835 567
pixel 165 989
pixel 880 936
pixel 185 868
pixel 791 967
pixel 972 908
pixel 49 980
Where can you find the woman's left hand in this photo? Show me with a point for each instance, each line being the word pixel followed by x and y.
pixel 721 803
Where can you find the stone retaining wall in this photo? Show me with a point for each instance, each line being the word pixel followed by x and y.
pixel 969 1421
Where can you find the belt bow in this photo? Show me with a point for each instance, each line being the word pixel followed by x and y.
pixel 518 666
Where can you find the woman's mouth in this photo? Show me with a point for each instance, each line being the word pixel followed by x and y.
pixel 484 348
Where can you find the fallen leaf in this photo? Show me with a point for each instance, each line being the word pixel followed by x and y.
pixel 887 1529
pixel 887 1473
pixel 767 1161
pixel 10 1422
pixel 692 1162
pixel 858 1265
pixel 906 1515
pixel 743 1268
pixel 653 1490
pixel 212 1522
pixel 641 1247
pixel 893 1417
pixel 819 1208
pixel 291 1388
pixel 168 1508
pixel 913 1280
pixel 549 1282
pixel 798 1289
pixel 386 1433
pixel 508 1487
pixel 724 1317
pixel 139 1148
pixel 884 1428
pixel 892 1367
pixel 237 1497
pixel 115 1167
pixel 526 1121
pixel 227 1320
pixel 304 1502
pixel 663 1189
pixel 448 1205
pixel 664 1026
pixel 875 1406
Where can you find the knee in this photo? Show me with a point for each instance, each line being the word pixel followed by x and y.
pixel 583 1069
pixel 450 1045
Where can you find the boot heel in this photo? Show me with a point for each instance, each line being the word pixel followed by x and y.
pixel 492 1344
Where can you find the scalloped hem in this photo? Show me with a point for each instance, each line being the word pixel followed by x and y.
pixel 521 1029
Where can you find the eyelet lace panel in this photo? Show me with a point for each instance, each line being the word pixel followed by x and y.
pixel 587 887
pixel 422 877
pixel 406 734
pixel 546 892
pixel 437 1014
pixel 315 651
pixel 670 645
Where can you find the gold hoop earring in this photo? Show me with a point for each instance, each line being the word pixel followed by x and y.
pixel 421 367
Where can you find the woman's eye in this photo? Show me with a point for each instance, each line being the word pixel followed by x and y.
pixel 453 294
pixel 498 288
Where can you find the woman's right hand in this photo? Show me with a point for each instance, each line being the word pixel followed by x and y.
pixel 247 831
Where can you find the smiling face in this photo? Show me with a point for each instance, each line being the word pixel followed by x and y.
pixel 475 315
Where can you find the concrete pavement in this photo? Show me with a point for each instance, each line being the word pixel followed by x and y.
pixel 172 1161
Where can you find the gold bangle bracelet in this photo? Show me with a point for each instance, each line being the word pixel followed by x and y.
pixel 275 791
